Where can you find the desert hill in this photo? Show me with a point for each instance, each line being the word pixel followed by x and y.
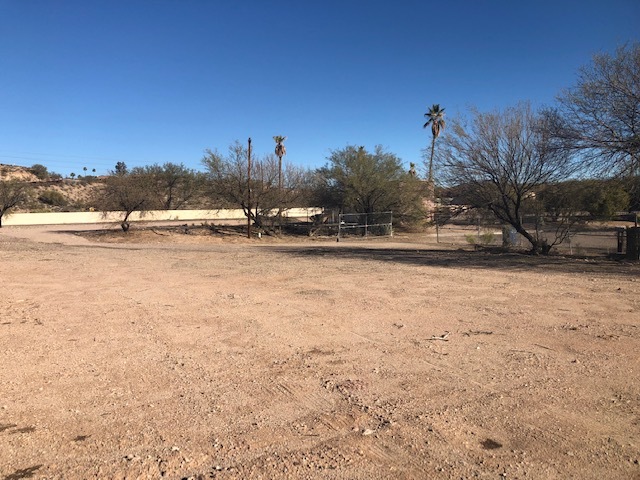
pixel 51 192
pixel 15 172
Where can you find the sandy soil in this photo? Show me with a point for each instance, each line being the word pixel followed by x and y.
pixel 182 357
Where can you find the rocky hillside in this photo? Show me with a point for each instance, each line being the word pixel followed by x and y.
pixel 50 193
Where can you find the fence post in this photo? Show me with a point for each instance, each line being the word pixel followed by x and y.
pixel 620 238
pixel 633 243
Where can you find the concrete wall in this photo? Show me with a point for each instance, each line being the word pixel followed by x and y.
pixel 64 218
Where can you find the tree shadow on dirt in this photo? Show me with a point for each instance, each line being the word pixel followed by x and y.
pixel 23 473
pixel 486 259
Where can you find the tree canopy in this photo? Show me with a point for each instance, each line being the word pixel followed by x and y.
pixel 503 158
pixel 435 118
pixel 599 117
pixel 173 184
pixel 127 192
pixel 12 193
pixel 355 180
pixel 228 183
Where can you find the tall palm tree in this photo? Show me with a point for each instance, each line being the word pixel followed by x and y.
pixel 281 151
pixel 435 117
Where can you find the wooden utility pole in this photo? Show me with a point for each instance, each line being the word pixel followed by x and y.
pixel 249 190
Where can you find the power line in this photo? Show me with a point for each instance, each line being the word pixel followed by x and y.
pixel 71 162
pixel 60 158
pixel 40 154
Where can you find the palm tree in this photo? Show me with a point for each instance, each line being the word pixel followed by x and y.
pixel 435 117
pixel 281 151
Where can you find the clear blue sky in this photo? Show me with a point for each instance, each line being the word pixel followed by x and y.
pixel 92 82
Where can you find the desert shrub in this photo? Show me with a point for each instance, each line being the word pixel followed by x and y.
pixel 604 201
pixel 53 198
pixel 485 238
pixel 470 238
pixel 40 171
pixel 210 226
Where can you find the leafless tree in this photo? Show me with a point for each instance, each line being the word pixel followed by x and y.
pixel 12 193
pixel 503 159
pixel 128 193
pixel 600 115
pixel 228 186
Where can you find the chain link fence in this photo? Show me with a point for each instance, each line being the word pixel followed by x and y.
pixel 365 224
pixel 583 238
pixel 345 225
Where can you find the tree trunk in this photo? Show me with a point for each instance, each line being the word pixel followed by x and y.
pixel 125 222
pixel 537 246
pixel 433 145
pixel 280 194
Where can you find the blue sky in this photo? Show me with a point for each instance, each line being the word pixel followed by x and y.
pixel 91 82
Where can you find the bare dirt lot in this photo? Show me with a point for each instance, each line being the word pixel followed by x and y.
pixel 204 357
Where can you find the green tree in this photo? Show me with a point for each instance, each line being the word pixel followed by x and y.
pixel 435 118
pixel 53 198
pixel 121 168
pixel 503 159
pixel 40 171
pixel 355 180
pixel 174 185
pixel 597 198
pixel 12 193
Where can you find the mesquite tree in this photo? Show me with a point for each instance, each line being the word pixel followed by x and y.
pixel 503 159
pixel 12 193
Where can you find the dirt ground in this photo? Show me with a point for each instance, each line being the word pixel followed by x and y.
pixel 195 356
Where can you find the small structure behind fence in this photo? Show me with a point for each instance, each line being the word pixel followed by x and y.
pixel 586 237
pixel 351 225
pixel 365 224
